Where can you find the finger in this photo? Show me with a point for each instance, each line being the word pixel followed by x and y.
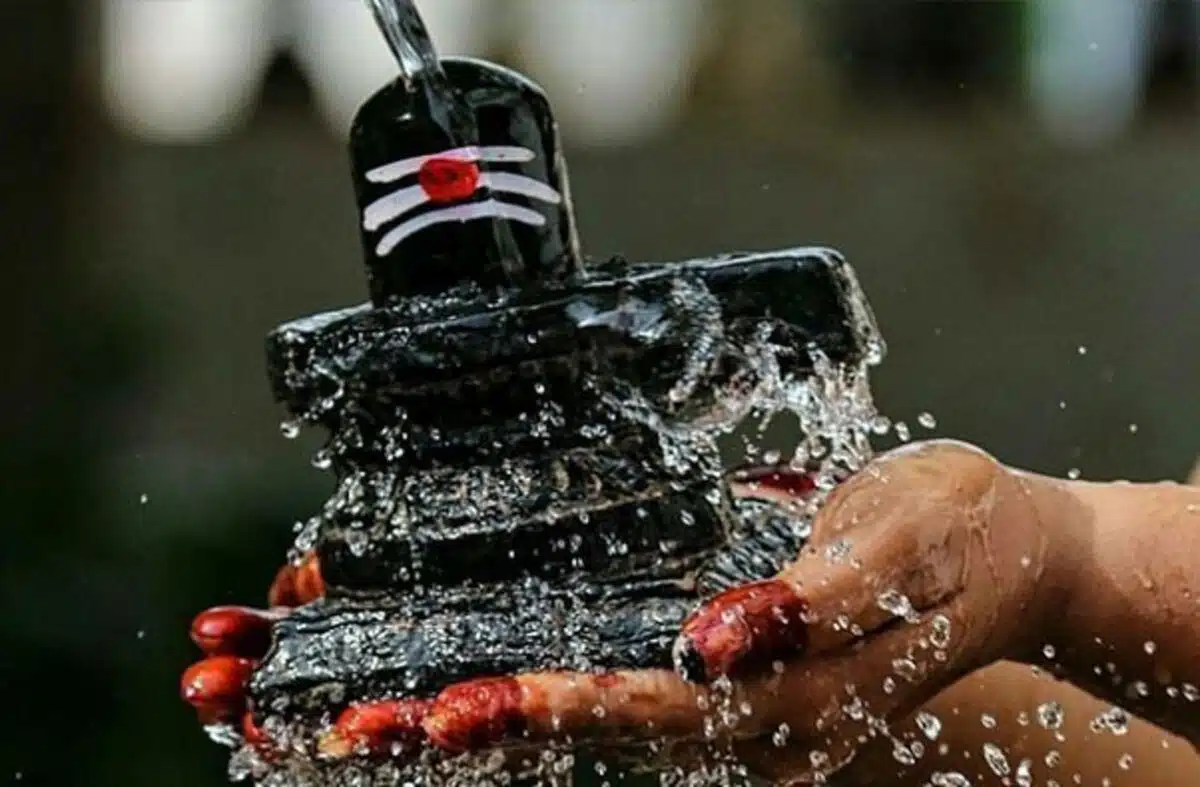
pixel 385 727
pixel 896 540
pixel 743 630
pixel 547 706
pixel 216 687
pixel 297 584
pixel 235 631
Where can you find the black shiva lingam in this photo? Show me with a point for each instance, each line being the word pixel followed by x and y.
pixel 522 481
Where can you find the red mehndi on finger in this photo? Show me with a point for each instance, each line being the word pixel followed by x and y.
pixel 476 714
pixel 375 728
pixel 745 628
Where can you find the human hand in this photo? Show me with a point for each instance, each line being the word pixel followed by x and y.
pixel 928 564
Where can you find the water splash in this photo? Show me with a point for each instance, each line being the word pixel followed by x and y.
pixel 724 381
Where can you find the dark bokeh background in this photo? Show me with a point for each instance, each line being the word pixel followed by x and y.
pixel 1039 299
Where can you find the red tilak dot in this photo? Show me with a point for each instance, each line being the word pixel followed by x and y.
pixel 448 180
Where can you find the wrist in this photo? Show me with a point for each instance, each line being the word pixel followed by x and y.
pixel 1125 627
pixel 1057 565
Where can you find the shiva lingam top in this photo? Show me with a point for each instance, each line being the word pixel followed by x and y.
pixel 524 445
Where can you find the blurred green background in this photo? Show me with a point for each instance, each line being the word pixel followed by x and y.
pixel 1039 294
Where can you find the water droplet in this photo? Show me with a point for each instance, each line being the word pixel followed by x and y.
pixel 996 760
pixel 949 779
pixel 902 432
pixel 1073 474
pixel 1083 348
pixel 357 542
pixel 141 633
pixel 289 429
pixel 1053 759
pixel 1050 715
pixel 1133 428
pixel 838 551
pixel 1114 720
pixel 988 721
pixel 939 634
pixel 1150 647
pixel 902 754
pixel 144 499
pixel 896 603
pixel 1190 692
pixel 1126 761
pixel 927 420
pixel 905 668
pixel 1048 651
pixel 1024 775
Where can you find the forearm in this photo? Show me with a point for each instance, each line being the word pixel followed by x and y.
pixel 1129 626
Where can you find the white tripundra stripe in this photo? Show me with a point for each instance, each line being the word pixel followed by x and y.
pixel 497 153
pixel 468 212
pixel 512 183
pixel 401 201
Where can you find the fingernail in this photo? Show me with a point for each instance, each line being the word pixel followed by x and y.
pixel 298 584
pixel 216 687
pixel 233 631
pixel 375 728
pixel 476 714
pixel 741 629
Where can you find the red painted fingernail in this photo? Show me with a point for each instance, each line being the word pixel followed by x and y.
pixel 233 631
pixel 295 585
pixel 741 629
pixel 375 728
pixel 476 714
pixel 216 687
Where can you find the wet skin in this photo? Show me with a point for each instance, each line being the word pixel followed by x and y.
pixel 986 566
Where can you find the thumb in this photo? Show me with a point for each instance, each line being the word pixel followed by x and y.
pixel 893 543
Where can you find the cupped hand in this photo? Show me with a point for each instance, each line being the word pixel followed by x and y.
pixel 928 564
